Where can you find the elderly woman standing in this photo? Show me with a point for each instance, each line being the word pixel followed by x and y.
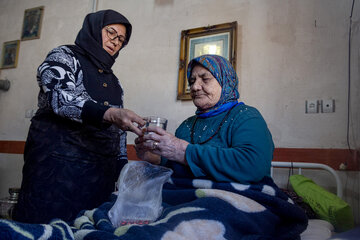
pixel 225 141
pixel 76 144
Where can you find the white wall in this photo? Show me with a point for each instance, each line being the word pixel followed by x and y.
pixel 283 59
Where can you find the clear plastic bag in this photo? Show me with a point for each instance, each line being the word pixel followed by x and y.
pixel 139 193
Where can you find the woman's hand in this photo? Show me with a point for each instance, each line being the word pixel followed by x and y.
pixel 144 154
pixel 162 143
pixel 125 119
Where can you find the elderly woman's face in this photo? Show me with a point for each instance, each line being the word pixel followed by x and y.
pixel 113 37
pixel 205 90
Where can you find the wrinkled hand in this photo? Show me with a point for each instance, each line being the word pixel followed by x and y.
pixel 125 119
pixel 160 142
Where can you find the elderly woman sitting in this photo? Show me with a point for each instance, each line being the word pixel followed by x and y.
pixel 221 159
pixel 225 141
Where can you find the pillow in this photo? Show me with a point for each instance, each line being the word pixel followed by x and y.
pixel 325 204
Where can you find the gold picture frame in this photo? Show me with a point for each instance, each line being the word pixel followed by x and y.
pixel 32 23
pixel 217 39
pixel 10 53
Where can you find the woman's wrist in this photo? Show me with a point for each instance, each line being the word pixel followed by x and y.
pixel 108 115
pixel 93 113
pixel 182 152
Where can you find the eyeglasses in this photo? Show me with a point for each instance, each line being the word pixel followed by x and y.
pixel 112 34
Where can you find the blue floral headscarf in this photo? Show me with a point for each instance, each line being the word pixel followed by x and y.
pixel 225 74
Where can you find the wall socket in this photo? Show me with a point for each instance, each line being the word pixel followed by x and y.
pixel 328 106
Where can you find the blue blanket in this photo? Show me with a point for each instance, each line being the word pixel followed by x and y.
pixel 193 209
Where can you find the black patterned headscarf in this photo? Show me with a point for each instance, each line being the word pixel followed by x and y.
pixel 224 73
pixel 89 38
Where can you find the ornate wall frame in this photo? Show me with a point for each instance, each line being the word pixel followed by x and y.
pixel 217 39
pixel 10 54
pixel 32 23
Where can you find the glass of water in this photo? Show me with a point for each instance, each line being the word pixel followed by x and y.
pixel 156 121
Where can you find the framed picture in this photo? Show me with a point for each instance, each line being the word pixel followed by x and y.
pixel 217 39
pixel 10 53
pixel 32 23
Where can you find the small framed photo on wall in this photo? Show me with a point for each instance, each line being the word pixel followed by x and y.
pixel 32 23
pixel 10 53
pixel 217 39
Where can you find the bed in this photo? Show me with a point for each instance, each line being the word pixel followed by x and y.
pixel 210 211
pixel 316 229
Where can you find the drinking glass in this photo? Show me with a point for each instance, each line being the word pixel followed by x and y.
pixel 156 121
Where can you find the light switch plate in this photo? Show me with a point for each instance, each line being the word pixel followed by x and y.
pixel 311 106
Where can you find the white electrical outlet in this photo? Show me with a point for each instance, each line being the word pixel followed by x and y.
pixel 311 106
pixel 328 106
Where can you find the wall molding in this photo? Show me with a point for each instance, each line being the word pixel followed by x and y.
pixel 13 147
pixel 330 157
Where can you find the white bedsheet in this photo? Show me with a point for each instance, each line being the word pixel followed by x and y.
pixel 318 230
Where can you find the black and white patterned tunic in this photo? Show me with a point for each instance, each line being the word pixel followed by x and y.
pixel 61 80
pixel 69 150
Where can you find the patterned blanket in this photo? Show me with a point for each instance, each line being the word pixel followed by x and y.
pixel 193 209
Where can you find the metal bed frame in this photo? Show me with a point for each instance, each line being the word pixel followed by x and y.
pixel 315 166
